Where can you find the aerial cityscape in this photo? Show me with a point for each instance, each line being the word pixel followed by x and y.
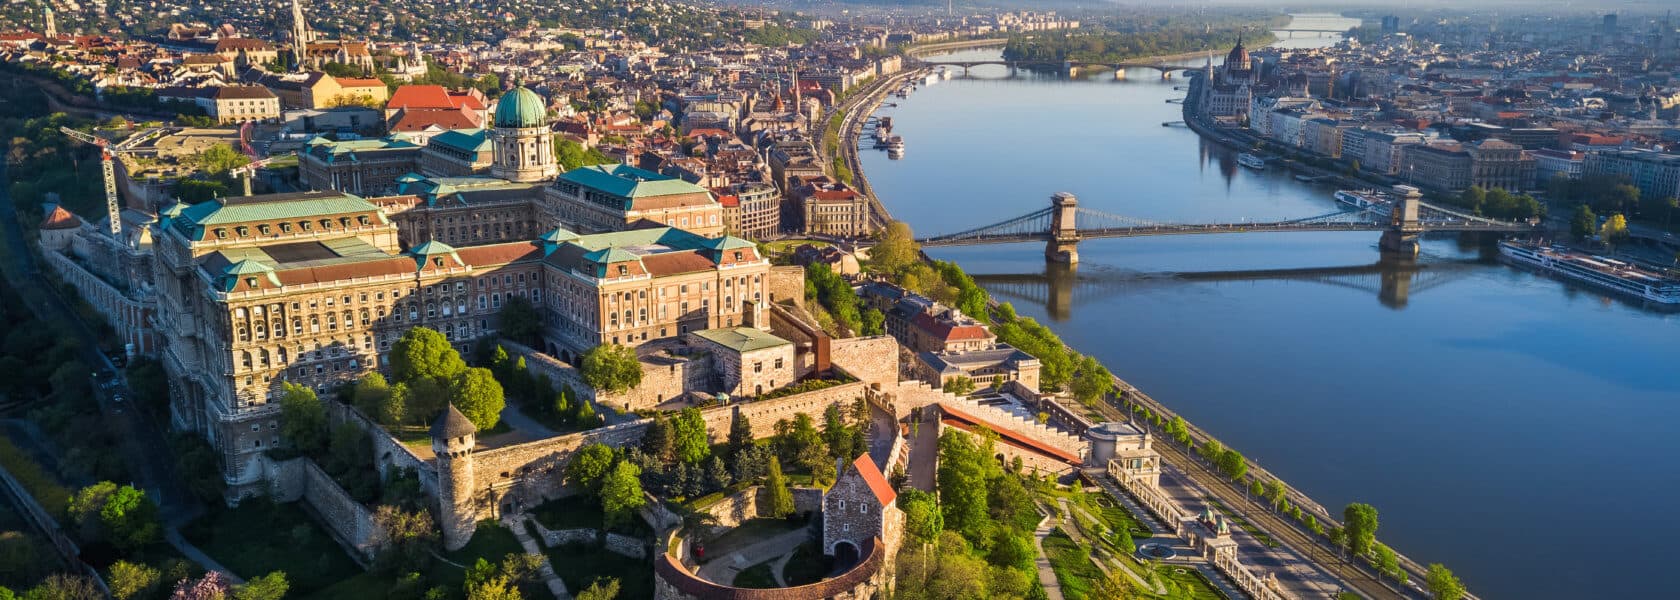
pixel 845 300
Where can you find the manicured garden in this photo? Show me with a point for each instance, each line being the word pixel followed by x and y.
pixel 1072 564
pixel 259 537
pixel 758 576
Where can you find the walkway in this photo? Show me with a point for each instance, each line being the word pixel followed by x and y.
pixel 515 522
pixel 1046 573
pixel 173 536
pixel 1148 519
pixel 924 453
pixel 723 569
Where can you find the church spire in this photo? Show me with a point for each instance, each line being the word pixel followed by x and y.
pixel 300 34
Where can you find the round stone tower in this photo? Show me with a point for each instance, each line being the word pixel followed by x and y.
pixel 452 441
pixel 522 143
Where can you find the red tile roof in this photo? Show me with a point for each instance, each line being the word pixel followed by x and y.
pixel 60 219
pixel 872 475
pixel 359 82
pixel 398 265
pixel 421 96
pixel 676 263
pixel 420 119
pixel 499 254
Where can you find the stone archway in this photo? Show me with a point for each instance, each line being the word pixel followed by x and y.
pixel 846 556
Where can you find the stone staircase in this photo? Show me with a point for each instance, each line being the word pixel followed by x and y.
pixel 997 417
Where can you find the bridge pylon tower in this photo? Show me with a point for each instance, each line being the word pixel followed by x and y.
pixel 1063 246
pixel 1401 237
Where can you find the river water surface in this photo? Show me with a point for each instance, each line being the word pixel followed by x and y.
pixel 1513 427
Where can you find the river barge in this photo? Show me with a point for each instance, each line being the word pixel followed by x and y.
pixel 1605 273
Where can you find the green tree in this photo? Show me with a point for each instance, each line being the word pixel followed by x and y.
pixel 421 399
pixel 896 250
pixel 589 467
pixel 1114 586
pixel 520 321
pixel 572 155
pixel 131 580
pixel 412 538
pixel 962 485
pixel 1231 463
pixel 612 368
pixel 922 517
pixel 621 493
pixel 836 434
pixel 371 394
pixel 479 397
pixel 424 353
pixel 272 586
pixel 874 322
pixel 1277 493
pixel 303 420
pixel 495 588
pixel 659 439
pixel 690 441
pixel 218 159
pixel 778 499
pixel 1360 522
pixel 1584 223
pixel 959 385
pixel 1442 583
pixel 740 435
pixel 130 519
pixel 1123 540
pixel 1092 382
pixel 1387 561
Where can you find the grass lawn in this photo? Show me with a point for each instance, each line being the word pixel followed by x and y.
pixel 747 534
pixel 365 585
pixel 260 537
pixel 1117 516
pixel 491 541
pixel 580 565
pixel 807 566
pixel 757 576
pixel 1189 580
pixel 1072 563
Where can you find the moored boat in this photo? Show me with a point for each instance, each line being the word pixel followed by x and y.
pixel 1605 273
pixel 1251 161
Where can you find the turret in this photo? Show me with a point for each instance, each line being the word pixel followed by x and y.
pixel 453 437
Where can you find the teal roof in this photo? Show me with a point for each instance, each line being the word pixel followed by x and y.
pixel 465 140
pixel 521 107
pixel 271 207
pixel 558 235
pixel 247 269
pixel 626 181
pixel 612 255
pixel 727 242
pixel 433 249
pixel 661 236
pixel 742 339
pixel 466 189
pixel 331 151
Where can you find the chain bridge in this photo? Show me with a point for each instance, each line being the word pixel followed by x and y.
pixel 1063 224
pixel 1393 280
pixel 1066 67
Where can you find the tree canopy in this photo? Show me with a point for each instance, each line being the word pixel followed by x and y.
pixel 422 352
pixel 479 397
pixel 612 368
pixel 303 420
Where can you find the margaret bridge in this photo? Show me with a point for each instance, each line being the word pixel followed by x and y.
pixel 1065 66
pixel 1063 224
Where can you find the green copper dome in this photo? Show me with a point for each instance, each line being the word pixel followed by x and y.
pixel 521 107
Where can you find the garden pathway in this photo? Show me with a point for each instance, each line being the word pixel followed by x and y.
pixel 171 535
pixel 515 522
pixel 722 570
pixel 1046 574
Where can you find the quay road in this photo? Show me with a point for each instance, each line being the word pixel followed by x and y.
pixel 857 109
pixel 1303 545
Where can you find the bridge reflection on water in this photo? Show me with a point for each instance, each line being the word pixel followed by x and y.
pixel 1060 287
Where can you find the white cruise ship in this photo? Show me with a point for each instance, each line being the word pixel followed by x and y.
pixel 1251 161
pixel 1599 271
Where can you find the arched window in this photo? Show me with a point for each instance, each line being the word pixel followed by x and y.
pixel 332 321
pixel 278 328
pixel 262 330
pixel 314 324
pixel 244 335
pixel 245 359
pixel 350 320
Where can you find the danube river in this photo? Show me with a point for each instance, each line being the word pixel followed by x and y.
pixel 1513 427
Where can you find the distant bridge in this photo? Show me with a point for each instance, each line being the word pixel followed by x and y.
pixel 1063 224
pixel 1064 66
pixel 1292 32
pixel 1060 288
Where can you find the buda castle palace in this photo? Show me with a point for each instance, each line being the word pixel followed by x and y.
pixel 312 288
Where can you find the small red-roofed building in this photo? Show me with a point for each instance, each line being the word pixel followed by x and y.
pixel 861 506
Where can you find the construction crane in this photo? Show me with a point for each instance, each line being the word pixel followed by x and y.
pixel 244 172
pixel 107 151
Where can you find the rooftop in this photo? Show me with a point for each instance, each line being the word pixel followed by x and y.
pixel 742 339
pixel 629 182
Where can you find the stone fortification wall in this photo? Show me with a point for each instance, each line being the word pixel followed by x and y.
pixel 787 283
pixel 809 342
pixel 675 581
pixel 663 378
pixel 873 360
pixel 1033 462
pixel 351 523
pixel 532 472
pixel 743 506
pixel 388 453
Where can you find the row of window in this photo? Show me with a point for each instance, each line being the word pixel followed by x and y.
pixel 287 226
